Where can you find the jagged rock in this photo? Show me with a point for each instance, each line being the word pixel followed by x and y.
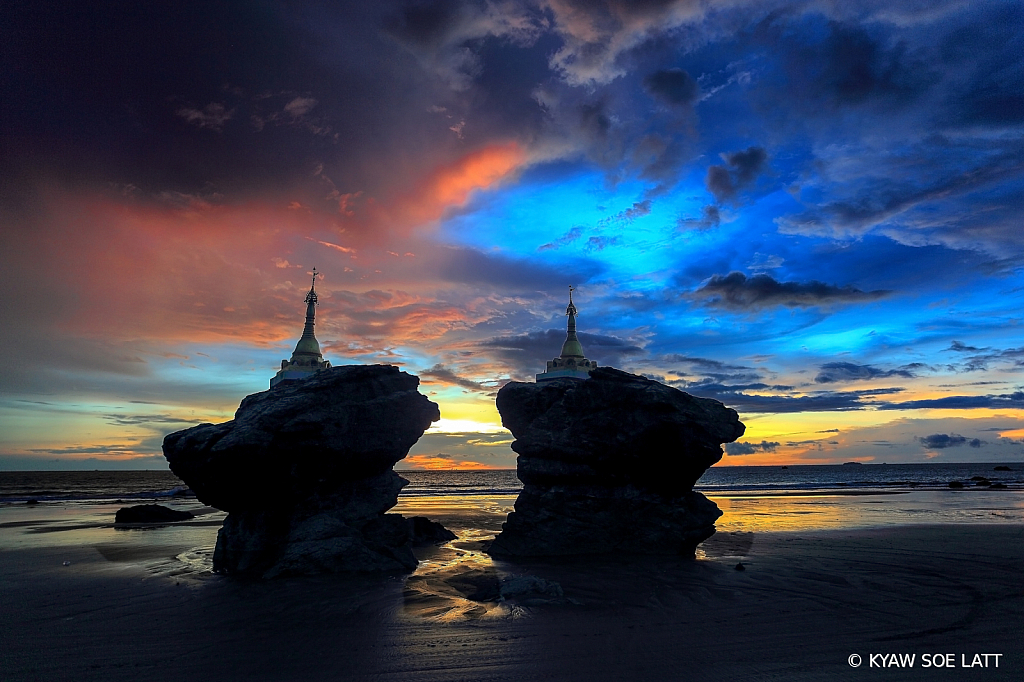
pixel 151 513
pixel 303 437
pixel 305 470
pixel 426 532
pixel 608 464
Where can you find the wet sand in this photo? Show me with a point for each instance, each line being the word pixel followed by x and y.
pixel 142 605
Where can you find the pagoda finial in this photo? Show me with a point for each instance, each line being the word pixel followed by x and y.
pixel 311 296
pixel 571 310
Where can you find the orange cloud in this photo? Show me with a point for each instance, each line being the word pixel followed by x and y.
pixel 438 462
pixel 452 185
pixel 447 186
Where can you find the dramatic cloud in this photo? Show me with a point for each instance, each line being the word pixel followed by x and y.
pixel 673 86
pixel 597 34
pixel 832 372
pixel 822 401
pixel 740 170
pixel 737 291
pixel 444 375
pixel 528 353
pixel 739 189
pixel 940 441
pixel 961 402
pixel 738 448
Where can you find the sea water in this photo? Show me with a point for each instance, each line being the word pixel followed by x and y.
pixel 759 499
pixel 85 487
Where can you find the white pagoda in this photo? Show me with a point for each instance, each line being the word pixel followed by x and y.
pixel 306 359
pixel 571 363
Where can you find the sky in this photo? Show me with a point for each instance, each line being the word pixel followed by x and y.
pixel 810 211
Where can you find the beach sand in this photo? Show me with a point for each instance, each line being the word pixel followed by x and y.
pixel 142 605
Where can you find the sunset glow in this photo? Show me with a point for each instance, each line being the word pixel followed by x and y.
pixel 808 212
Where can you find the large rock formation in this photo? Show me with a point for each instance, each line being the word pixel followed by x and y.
pixel 305 472
pixel 608 464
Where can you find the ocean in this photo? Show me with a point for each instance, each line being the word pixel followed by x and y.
pixel 91 487
pixel 56 511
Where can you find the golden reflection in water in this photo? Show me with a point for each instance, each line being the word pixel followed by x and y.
pixel 789 513
pixel 440 587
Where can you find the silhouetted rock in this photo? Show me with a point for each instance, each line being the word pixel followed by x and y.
pixel 151 513
pixel 1002 467
pixel 609 463
pixel 956 485
pixel 305 470
pixel 427 532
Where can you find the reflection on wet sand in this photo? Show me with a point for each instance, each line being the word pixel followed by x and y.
pixel 458 580
pixel 788 513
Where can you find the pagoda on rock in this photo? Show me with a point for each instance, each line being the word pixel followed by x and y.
pixel 571 363
pixel 306 359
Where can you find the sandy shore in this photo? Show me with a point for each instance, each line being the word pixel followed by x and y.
pixel 806 601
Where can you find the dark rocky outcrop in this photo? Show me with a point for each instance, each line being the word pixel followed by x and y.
pixel 151 513
pixel 608 464
pixel 426 532
pixel 305 472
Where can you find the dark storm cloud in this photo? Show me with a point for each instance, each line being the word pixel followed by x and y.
pixel 737 291
pixel 961 402
pixel 882 199
pixel 244 100
pixel 820 401
pixel 990 44
pixel 450 38
pixel 855 67
pixel 426 24
pixel 719 183
pixel 529 352
pixel 746 164
pixel 741 169
pixel 844 64
pixel 738 448
pixel 673 86
pixel 446 375
pixel 981 358
pixel 940 441
pixel 715 373
pixel 832 372
pixel 594 119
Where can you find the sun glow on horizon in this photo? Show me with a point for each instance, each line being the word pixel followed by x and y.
pixel 444 425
